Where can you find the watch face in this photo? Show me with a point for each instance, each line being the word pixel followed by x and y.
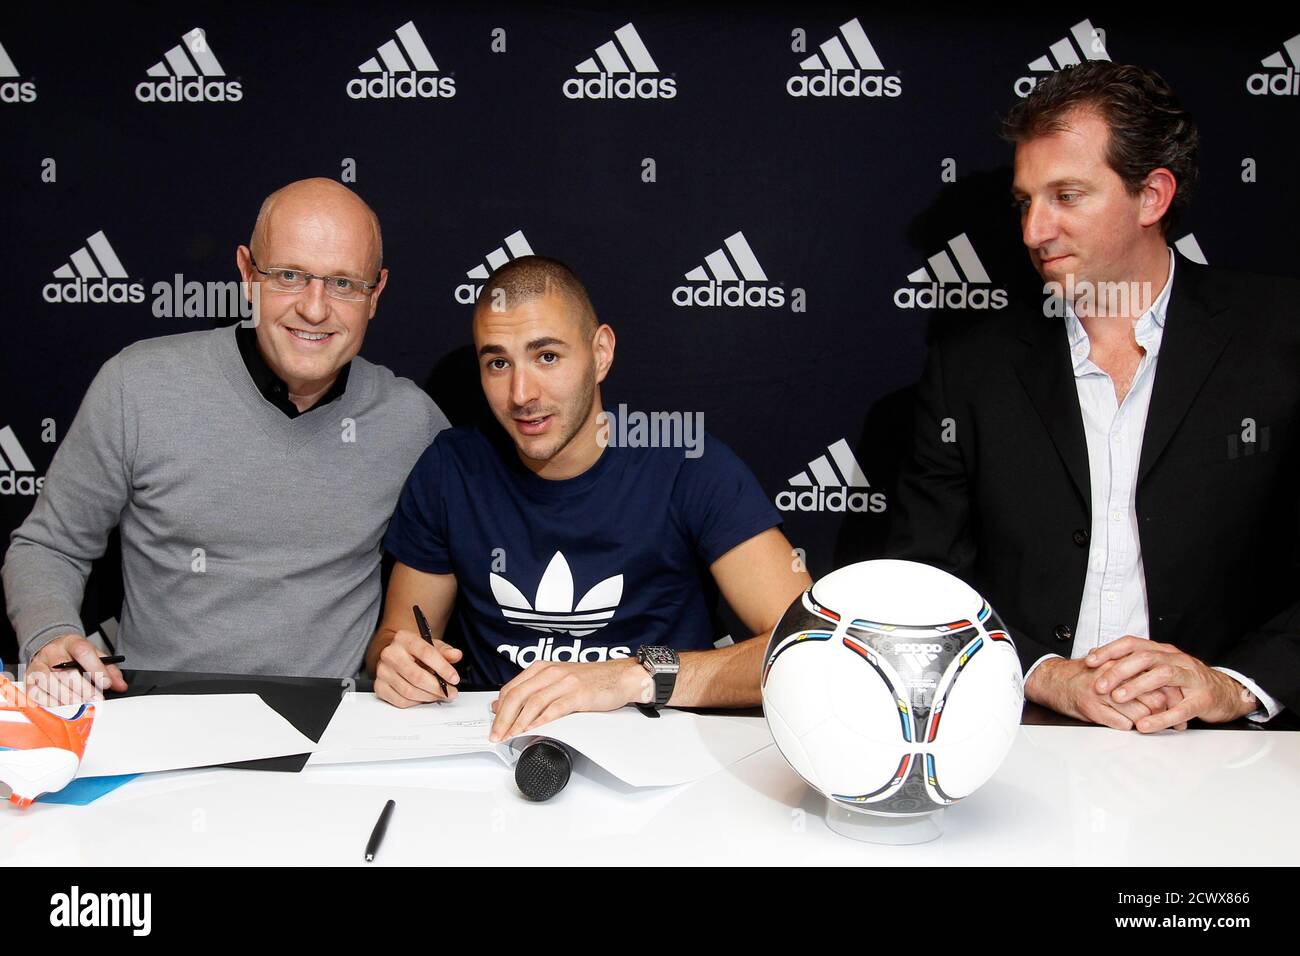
pixel 659 656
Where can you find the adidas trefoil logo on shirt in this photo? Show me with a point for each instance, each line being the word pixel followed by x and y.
pixel 554 610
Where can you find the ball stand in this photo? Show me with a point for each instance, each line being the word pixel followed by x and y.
pixel 885 830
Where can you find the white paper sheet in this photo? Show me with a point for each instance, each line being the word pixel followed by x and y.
pixel 172 732
pixel 677 747
pixel 365 728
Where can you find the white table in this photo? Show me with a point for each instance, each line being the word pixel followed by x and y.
pixel 1066 795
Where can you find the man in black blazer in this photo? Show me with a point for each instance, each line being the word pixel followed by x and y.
pixel 1117 471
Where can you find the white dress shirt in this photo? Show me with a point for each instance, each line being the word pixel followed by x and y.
pixel 1114 591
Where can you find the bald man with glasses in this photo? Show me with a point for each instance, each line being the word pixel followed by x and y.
pixel 252 471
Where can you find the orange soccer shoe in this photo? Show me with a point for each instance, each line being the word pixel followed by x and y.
pixel 39 750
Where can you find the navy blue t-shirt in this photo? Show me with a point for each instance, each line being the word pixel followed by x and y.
pixel 582 569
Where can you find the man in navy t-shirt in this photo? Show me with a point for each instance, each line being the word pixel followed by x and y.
pixel 586 550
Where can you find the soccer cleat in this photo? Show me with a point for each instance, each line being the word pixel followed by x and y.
pixel 39 750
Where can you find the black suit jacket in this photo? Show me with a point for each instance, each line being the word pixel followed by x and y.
pixel 1006 505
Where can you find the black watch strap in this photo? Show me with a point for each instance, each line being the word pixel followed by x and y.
pixel 662 664
pixel 664 684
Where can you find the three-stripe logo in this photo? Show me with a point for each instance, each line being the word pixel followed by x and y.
pixel 845 65
pixel 189 73
pixel 12 88
pixel 622 69
pixel 514 246
pixel 832 482
pixel 730 276
pixel 7 68
pixel 17 473
pixel 93 273
pixel 1191 249
pixel 104 262
pixel 1286 83
pixel 1084 42
pixel 946 280
pixel 403 68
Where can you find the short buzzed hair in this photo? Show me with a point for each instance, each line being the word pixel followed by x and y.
pixel 532 277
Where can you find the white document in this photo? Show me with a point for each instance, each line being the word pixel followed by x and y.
pixel 676 747
pixel 173 732
pixel 365 728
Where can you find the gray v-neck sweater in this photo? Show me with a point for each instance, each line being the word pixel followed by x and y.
pixel 250 540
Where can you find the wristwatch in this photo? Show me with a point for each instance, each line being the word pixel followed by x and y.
pixel 662 663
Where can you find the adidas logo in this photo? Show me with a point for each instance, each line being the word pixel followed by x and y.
pixel 13 90
pixel 617 72
pixel 1191 249
pixel 918 656
pixel 1088 43
pixel 825 490
pixel 846 66
pixel 7 68
pixel 554 609
pixel 1286 83
pixel 945 287
pixel 87 276
pixel 730 276
pixel 467 292
pixel 186 74
pixel 396 72
pixel 572 653
pixel 17 473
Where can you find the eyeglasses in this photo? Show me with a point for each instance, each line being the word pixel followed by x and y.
pixel 295 280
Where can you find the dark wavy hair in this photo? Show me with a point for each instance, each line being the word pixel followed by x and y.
pixel 1148 126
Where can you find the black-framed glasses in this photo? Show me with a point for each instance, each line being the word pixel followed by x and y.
pixel 296 280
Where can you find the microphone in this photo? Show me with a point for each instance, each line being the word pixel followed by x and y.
pixel 543 769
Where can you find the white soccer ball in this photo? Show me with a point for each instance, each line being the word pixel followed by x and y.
pixel 892 687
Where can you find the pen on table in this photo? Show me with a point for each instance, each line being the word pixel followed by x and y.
pixel 76 665
pixel 377 834
pixel 425 633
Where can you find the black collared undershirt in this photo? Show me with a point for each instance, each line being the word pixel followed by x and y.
pixel 270 385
